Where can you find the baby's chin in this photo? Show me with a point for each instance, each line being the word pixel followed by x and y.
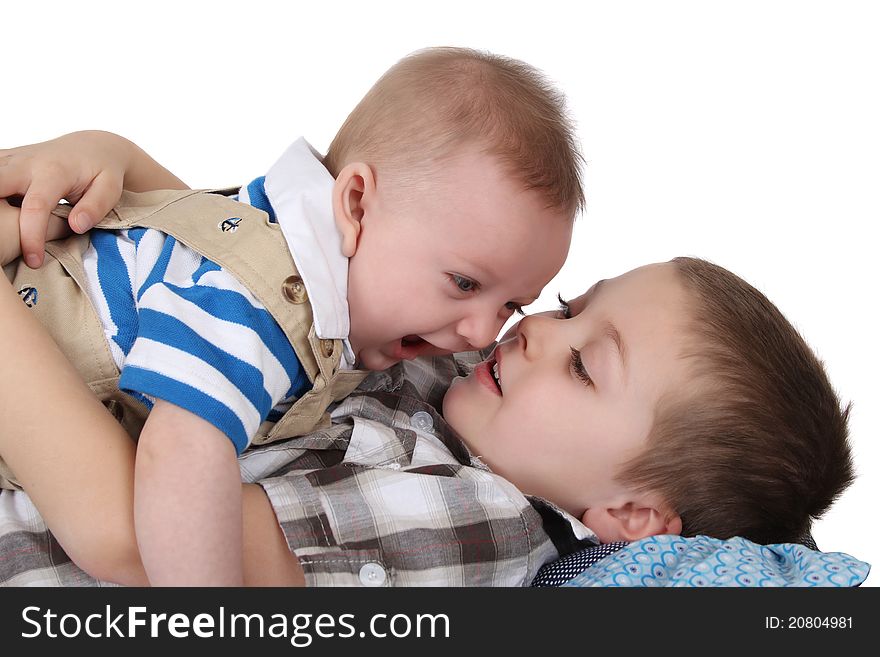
pixel 373 359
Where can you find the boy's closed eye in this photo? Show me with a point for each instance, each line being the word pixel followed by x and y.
pixel 577 366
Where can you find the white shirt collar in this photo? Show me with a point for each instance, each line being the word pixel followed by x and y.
pixel 300 189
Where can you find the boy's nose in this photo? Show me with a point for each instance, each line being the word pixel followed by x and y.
pixel 532 334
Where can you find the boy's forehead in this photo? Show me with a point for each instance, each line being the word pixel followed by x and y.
pixel 645 311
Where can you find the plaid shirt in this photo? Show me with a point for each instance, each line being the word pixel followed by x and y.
pixel 386 496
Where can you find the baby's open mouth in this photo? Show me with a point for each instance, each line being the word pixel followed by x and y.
pixel 412 346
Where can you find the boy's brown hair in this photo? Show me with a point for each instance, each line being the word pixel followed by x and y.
pixel 436 101
pixel 757 446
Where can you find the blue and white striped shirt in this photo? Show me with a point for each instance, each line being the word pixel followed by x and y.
pixel 184 330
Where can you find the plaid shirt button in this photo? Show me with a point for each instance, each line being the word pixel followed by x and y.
pixel 422 421
pixel 372 574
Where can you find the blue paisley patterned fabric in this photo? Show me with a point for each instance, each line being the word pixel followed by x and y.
pixel 703 561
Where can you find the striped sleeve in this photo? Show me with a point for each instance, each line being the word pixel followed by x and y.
pixel 204 343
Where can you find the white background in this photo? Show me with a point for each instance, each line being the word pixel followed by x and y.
pixel 743 132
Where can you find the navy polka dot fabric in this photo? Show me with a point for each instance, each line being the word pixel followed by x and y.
pixel 560 571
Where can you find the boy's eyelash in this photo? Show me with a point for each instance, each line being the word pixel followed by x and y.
pixel 564 307
pixel 515 307
pixel 578 366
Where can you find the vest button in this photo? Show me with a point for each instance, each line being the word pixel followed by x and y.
pixel 294 290
pixel 327 348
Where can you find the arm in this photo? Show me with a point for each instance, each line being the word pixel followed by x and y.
pixel 89 169
pixel 69 454
pixel 77 463
pixel 188 502
pixel 268 560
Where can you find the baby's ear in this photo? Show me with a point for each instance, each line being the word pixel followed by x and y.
pixel 630 522
pixel 353 184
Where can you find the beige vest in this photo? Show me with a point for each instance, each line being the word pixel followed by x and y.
pixel 236 236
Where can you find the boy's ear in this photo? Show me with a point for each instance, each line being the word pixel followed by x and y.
pixel 353 185
pixel 630 522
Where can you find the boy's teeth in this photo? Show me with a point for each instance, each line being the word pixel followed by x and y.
pixel 496 374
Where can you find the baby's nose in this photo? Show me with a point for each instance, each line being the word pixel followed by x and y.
pixel 480 331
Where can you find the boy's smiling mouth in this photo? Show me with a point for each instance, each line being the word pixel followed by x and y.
pixel 489 373
pixel 496 373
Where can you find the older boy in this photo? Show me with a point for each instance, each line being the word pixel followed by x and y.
pixel 415 234
pixel 675 398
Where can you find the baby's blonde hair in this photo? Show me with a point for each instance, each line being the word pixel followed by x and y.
pixel 436 101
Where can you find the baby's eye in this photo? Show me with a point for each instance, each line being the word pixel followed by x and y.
pixel 464 284
pixel 515 307
pixel 564 308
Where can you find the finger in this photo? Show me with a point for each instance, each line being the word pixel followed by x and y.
pixel 96 202
pixel 39 200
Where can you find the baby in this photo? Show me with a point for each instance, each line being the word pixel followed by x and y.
pixel 443 205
